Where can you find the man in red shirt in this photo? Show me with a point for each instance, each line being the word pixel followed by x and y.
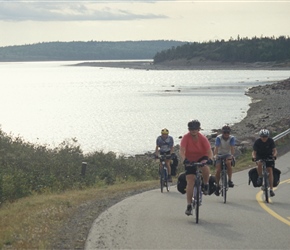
pixel 195 147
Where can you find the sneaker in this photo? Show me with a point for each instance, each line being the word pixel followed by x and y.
pixel 272 193
pixel 231 184
pixel 259 181
pixel 205 191
pixel 217 191
pixel 169 178
pixel 193 203
pixel 188 210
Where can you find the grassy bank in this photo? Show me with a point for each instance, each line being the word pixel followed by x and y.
pixel 33 222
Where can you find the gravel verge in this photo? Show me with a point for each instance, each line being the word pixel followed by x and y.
pixel 269 109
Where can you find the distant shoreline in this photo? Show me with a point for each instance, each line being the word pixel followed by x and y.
pixel 187 65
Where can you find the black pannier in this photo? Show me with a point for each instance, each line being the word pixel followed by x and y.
pixel 253 176
pixel 181 183
pixel 276 173
pixel 173 164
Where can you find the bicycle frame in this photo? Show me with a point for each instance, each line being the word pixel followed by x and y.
pixel 224 177
pixel 197 193
pixel 163 172
pixel 265 175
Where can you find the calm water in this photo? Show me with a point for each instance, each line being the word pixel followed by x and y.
pixel 120 110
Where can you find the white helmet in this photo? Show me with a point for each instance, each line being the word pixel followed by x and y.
pixel 264 133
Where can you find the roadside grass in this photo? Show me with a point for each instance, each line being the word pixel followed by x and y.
pixel 31 222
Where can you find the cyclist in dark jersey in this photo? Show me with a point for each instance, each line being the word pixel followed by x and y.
pixel 165 143
pixel 264 148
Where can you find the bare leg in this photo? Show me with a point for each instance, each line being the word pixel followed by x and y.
pixel 205 174
pixel 218 174
pixel 168 166
pixel 189 187
pixel 259 168
pixel 271 179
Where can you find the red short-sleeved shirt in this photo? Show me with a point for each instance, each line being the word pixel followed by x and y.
pixel 194 150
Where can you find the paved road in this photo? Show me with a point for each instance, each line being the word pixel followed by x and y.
pixel 153 220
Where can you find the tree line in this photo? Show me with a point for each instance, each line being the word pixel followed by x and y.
pixel 91 50
pixel 263 49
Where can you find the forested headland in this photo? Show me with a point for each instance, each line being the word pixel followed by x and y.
pixel 245 50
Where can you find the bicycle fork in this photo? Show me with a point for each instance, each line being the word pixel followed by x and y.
pixel 194 196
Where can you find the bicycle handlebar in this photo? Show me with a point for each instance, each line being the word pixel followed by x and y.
pixel 223 157
pixel 164 157
pixel 198 164
pixel 265 159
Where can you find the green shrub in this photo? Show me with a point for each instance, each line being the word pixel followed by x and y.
pixel 26 168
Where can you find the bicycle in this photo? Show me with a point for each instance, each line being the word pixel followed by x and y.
pixel 197 189
pixel 265 176
pixel 163 172
pixel 224 176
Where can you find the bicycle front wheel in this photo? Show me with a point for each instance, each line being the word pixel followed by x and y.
pixel 161 182
pixel 225 183
pixel 167 185
pixel 266 186
pixel 197 200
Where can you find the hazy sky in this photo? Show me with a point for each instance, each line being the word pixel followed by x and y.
pixel 33 21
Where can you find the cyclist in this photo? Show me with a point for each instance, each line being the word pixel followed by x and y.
pixel 165 142
pixel 224 145
pixel 195 147
pixel 263 148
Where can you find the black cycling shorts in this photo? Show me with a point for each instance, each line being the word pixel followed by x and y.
pixel 192 170
pixel 269 164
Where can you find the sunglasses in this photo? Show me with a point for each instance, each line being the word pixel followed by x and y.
pixel 264 136
pixel 226 132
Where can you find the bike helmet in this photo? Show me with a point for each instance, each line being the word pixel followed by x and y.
pixel 226 128
pixel 264 133
pixel 194 124
pixel 165 131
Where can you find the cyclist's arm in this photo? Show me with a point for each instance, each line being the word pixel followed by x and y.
pixel 182 153
pixel 232 150
pixel 217 145
pixel 215 151
pixel 274 152
pixel 232 144
pixel 209 154
pixel 254 154
pixel 172 144
pixel 156 150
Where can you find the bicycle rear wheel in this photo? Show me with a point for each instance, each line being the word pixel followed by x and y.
pixel 197 200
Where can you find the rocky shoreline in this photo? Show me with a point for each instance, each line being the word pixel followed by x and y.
pixel 269 109
pixel 182 64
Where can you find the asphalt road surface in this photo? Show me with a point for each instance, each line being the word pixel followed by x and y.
pixel 155 220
